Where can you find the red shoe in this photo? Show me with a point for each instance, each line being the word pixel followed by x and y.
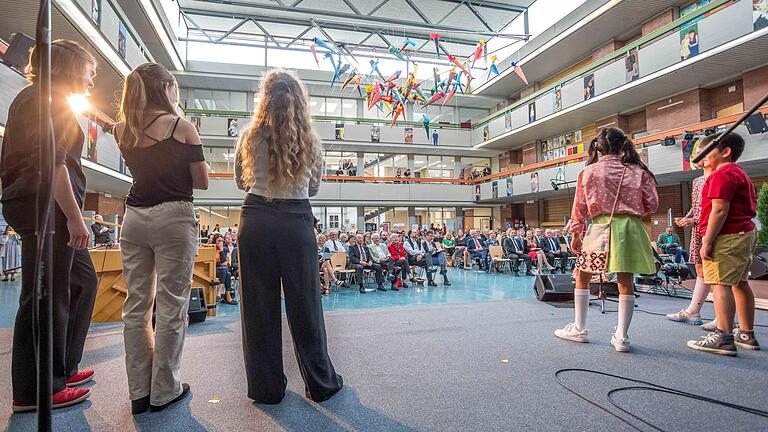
pixel 64 398
pixel 80 378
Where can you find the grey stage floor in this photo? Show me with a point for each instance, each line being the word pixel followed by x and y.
pixel 436 368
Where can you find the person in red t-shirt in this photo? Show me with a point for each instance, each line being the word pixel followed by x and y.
pixel 728 206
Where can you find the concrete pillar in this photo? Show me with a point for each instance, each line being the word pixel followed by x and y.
pixel 496 217
pixel 459 219
pixel 457 167
pixel 361 218
pixel 411 210
pixel 361 164
pixel 411 165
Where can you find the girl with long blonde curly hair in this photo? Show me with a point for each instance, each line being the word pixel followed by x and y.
pixel 279 162
pixel 280 131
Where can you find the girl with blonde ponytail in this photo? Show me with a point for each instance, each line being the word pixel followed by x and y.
pixel 164 154
pixel 279 163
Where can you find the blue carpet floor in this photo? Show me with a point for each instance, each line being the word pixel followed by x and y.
pixel 455 366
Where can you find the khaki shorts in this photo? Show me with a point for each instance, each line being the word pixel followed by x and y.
pixel 731 259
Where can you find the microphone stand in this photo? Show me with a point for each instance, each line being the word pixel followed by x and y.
pixel 44 213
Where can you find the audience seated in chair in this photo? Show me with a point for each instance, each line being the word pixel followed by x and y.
pixel 360 259
pixel 517 249
pixel 381 255
pixel 669 243
pixel 417 257
pixel 477 248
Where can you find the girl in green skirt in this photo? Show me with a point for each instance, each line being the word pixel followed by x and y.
pixel 615 187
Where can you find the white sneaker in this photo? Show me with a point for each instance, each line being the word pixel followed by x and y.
pixel 620 345
pixel 710 326
pixel 684 316
pixel 570 332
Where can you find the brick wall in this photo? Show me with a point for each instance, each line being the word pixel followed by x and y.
pixel 618 121
pixel 605 49
pixel 669 197
pixel 104 205
pixel 720 98
pixel 681 114
pixel 636 122
pixel 658 22
pixel 755 86
pixel 530 154
pixel 531 214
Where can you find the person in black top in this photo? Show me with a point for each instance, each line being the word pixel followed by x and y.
pixel 101 232
pixel 223 269
pixel 74 286
pixel 166 160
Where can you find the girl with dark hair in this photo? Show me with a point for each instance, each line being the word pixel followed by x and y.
pixel 615 187
pixel 74 286
pixel 165 156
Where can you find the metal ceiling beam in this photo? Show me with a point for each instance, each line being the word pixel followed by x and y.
pixel 418 11
pixel 319 14
pixel 490 5
pixel 304 22
pixel 479 17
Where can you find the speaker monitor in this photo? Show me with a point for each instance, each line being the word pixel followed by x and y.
pixel 554 287
pixel 198 309
pixel 756 124
pixel 17 54
pixel 759 269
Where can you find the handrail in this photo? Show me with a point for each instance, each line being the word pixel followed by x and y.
pixel 538 165
pixel 245 114
pixel 604 60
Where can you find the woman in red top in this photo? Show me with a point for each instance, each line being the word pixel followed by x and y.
pixel 398 252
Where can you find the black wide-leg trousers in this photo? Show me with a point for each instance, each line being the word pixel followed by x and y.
pixel 277 246
pixel 73 295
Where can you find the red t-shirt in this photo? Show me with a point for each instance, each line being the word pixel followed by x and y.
pixel 729 183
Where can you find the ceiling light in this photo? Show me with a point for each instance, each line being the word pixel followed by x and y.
pixel 94 36
pixel 154 18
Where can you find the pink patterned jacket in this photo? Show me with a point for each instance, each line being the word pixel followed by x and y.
pixel 597 187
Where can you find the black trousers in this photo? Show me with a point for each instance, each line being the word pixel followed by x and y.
pixel 378 274
pixel 515 257
pixel 391 264
pixel 266 261
pixel 73 295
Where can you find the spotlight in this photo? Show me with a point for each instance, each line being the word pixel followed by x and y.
pixel 710 131
pixel 688 136
pixel 555 184
pixel 668 141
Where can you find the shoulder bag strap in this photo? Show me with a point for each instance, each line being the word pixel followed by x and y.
pixel 618 192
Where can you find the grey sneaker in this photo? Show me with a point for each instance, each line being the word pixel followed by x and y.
pixel 710 326
pixel 745 340
pixel 715 342
pixel 684 316
pixel 620 345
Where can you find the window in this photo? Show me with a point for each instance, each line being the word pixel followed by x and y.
pixel 340 163
pixel 349 108
pixel 317 106
pixel 332 107
pixel 333 221
pixel 379 165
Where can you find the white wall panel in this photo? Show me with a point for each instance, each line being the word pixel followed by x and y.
pixel 660 54
pixel 610 76
pixel 109 23
pixel 726 25
pixel 545 105
pixel 520 116
pixel 665 159
pixel 572 93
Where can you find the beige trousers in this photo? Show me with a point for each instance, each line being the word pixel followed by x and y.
pixel 158 246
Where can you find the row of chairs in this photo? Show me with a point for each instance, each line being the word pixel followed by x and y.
pixel 339 264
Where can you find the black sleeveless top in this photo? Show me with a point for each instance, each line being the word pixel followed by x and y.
pixel 161 171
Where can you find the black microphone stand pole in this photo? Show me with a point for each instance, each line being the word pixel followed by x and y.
pixel 43 271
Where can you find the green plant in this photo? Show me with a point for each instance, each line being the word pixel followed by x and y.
pixel 762 214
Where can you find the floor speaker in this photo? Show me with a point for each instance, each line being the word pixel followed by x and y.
pixel 759 269
pixel 554 287
pixel 198 309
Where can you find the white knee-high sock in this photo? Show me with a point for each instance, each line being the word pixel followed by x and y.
pixel 626 309
pixel 580 305
pixel 699 296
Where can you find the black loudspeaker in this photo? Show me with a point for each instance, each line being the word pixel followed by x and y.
pixel 756 124
pixel 759 269
pixel 17 54
pixel 554 287
pixel 198 309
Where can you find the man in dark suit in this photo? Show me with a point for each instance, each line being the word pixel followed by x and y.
pixel 435 257
pixel 360 259
pixel 550 244
pixel 417 257
pixel 477 248
pixel 101 232
pixel 516 249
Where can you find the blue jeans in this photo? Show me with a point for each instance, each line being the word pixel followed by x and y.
pixel 225 277
pixel 680 254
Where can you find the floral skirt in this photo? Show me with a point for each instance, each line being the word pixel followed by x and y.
pixel 630 250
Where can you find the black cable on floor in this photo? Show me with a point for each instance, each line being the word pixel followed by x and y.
pixel 646 386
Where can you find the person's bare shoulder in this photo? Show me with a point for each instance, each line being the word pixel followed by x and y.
pixel 186 132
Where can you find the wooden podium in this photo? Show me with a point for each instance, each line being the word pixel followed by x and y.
pixel 112 290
